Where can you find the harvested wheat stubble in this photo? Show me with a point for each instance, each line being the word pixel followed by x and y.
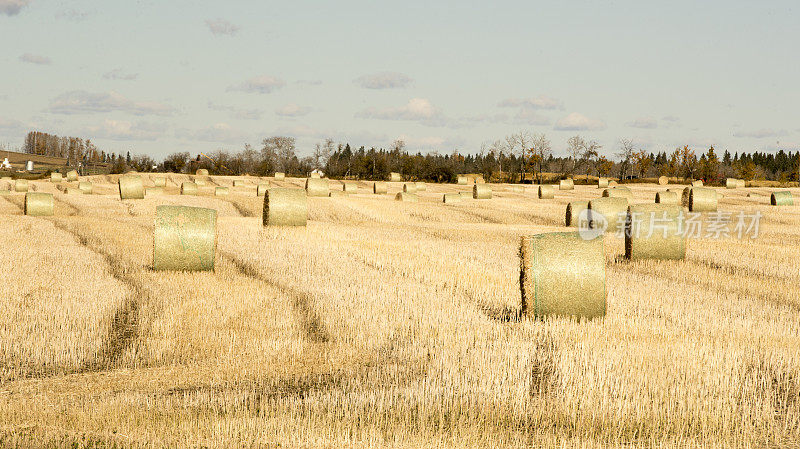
pixel 574 209
pixel 481 192
pixel 663 180
pixel 86 187
pixel 450 198
pixel 317 187
pixel 562 274
pixel 219 191
pixel 612 209
pixel 74 191
pixel 698 183
pixel 72 176
pixel 201 172
pixel 667 198
pixel 130 187
pixel 781 198
pixel 21 185
pixel 406 197
pixel 421 186
pixel 410 187
pixel 56 177
pixel 395 177
pixel 188 188
pixel 618 192
pixel 653 231
pixel 155 191
pixel 279 176
pixel 160 182
pixel 38 204
pixel 4 191
pixel 462 180
pixel 516 189
pixel 702 199
pixel 380 188
pixel 349 187
pixel 566 184
pixel 185 238
pixel 261 189
pixel 547 192
pixel 602 183
pixel 285 207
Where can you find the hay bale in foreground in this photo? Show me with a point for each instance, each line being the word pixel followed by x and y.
pixel 697 183
pixel 781 198
pixel 481 192
pixel 21 185
pixel 72 176
pixel 702 199
pixel 602 183
pixel 654 231
pixel 349 187
pixel 261 189
pixel 188 188
pixel 670 198
pixel 317 187
pixel 38 204
pixel 562 274
pixel 663 180
pixel 220 191
pixel 185 238
pixel 201 172
pixel 86 187
pixel 410 187
pixel 395 177
pixel 380 188
pixel 574 209
pixel 450 198
pixel 609 212
pixel 421 186
pixel 619 192
pixel 154 191
pixel 56 177
pixel 160 182
pixel 285 207
pixel 130 187
pixel 279 176
pixel 462 180
pixel 566 184
pixel 406 197
pixel 547 192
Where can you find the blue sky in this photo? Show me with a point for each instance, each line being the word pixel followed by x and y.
pixel 158 77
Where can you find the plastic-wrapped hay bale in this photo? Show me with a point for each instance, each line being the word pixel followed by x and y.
pixel 574 209
pixel 188 188
pixel 410 187
pixel 618 192
pixel 130 187
pixel 220 191
pixel 86 187
pixel 285 207
pixel 781 198
pixel 56 177
pixel 547 192
pixel 450 198
pixel 160 182
pixel 481 192
pixel 21 185
pixel 261 189
pixel 421 186
pixel 731 183
pixel 663 180
pixel 380 188
pixel 395 177
pixel 185 238
pixel 562 274
pixel 155 191
pixel 602 183
pixel 702 199
pixel 279 176
pixel 462 180
pixel 566 184
pixel 670 198
pixel 72 176
pixel 38 204
pixel 698 183
pixel 654 231
pixel 317 187
pixel 406 197
pixel 349 187
pixel 611 209
pixel 201 172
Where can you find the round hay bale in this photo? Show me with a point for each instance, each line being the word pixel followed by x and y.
pixel 130 187
pixel 220 191
pixel 613 183
pixel 516 189
pixel 380 188
pixel 21 185
pixel 201 172
pixel 465 195
pixel 261 189
pixel 56 177
pixel 697 183
pixel 406 197
pixel 160 182
pixel 781 198
pixel 238 183
pixel 702 199
pixel 279 176
pixel 72 176
pixel 315 175
pixel 199 181
pixel 612 210
pixel 670 198
pixel 653 231
pixel 450 198
pixel 285 207
pixel 38 204
pixel 86 187
pixel 566 184
pixel 410 187
pixel 481 192
pixel 742 183
pixel 619 192
pixel 349 187
pixel 731 183
pixel 602 183
pixel 421 186
pixel 562 274
pixel 188 188
pixel 663 180
pixel 685 196
pixel 395 177
pixel 154 191
pixel 185 238
pixel 317 187
pixel 547 192
pixel 337 194
pixel 74 191
pixel 462 180
pixel 574 209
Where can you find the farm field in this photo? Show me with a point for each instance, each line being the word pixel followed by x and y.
pixel 386 324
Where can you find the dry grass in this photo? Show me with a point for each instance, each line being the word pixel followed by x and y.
pixel 386 324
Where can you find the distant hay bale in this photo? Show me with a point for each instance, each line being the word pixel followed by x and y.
pixel 619 192
pixel 462 180
pixel 285 207
pixel 185 238
pixel 279 176
pixel 199 181
pixel 261 189
pixel 742 183
pixel 481 192
pixel 86 187
pixel 450 198
pixel 395 177
pixel 702 199
pixel 337 194
pixel 130 187
pixel 410 187
pixel 602 183
pixel 56 177
pixel 562 274
pixel 380 188
pixel 38 204
pixel 188 188
pixel 547 192
pixel 72 176
pixel 663 180
pixel 611 209
pixel 781 198
pixel 654 231
pixel 314 175
pixel 574 209
pixel 220 191
pixel 612 183
pixel 465 195
pixel 238 183
pixel 669 198
pixel 697 183
pixel 421 186
pixel 21 185
pixel 732 183
pixel 516 189
pixel 73 191
pixel 406 197
pixel 349 187
pixel 160 182
pixel 154 191
pixel 201 172
pixel 317 187
pixel 566 184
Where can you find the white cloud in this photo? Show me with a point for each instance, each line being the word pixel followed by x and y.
pixel 417 109
pixel 529 117
pixel 384 80
pixel 30 58
pixel 219 132
pixel 221 27
pixel 644 123
pixel 118 74
pixel 12 7
pixel 125 130
pixel 237 113
pixel 578 122
pixel 259 84
pixel 83 102
pixel 540 102
pixel 292 110
pixel 760 134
